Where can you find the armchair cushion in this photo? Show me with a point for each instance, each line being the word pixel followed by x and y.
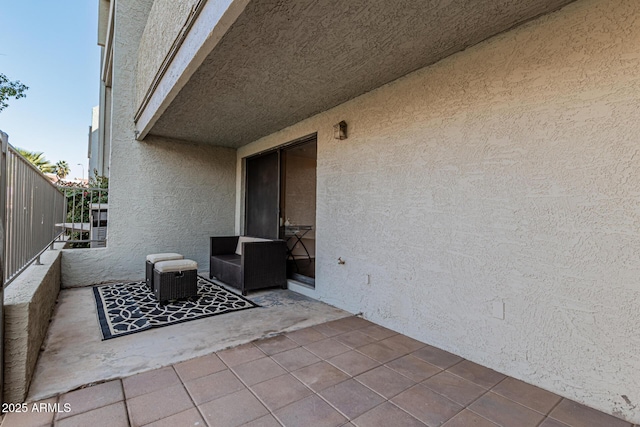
pixel 243 239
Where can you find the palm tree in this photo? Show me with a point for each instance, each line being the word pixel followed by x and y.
pixel 62 169
pixel 37 159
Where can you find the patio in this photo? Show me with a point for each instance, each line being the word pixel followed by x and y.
pixel 319 372
pixel 74 354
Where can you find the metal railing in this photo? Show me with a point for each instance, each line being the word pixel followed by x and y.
pixel 34 212
pixel 85 216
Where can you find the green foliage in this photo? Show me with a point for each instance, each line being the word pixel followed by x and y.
pixel 38 160
pixel 62 169
pixel 9 89
pixel 99 181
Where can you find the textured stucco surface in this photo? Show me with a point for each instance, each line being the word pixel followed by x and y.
pixel 282 62
pixel 28 304
pixel 505 173
pixel 203 29
pixel 164 24
pixel 164 195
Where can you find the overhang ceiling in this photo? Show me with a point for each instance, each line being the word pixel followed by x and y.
pixel 283 61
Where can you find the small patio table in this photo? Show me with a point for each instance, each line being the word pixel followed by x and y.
pixel 296 232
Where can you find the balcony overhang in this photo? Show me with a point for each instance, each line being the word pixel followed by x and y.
pixel 251 68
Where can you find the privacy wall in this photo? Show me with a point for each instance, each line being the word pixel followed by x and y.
pixel 493 200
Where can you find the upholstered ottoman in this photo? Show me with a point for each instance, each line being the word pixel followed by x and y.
pixel 151 260
pixel 175 279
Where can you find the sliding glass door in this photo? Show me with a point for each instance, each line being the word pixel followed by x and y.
pixel 263 196
pixel 281 202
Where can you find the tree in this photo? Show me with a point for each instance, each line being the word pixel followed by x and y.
pixel 9 89
pixel 37 159
pixel 62 169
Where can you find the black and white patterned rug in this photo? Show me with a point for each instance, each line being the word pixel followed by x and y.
pixel 127 308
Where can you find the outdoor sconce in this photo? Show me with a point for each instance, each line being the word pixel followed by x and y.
pixel 340 130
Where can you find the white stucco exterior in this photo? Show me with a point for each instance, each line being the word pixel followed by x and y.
pixel 506 175
pixel 96 160
pixel 164 196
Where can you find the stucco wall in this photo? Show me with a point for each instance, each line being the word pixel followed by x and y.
pixel 28 303
pixel 507 173
pixel 164 195
pixel 165 22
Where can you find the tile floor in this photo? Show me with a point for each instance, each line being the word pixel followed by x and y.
pixel 346 372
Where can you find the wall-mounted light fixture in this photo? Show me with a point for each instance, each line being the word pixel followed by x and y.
pixel 340 130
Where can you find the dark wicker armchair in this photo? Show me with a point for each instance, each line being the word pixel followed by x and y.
pixel 250 265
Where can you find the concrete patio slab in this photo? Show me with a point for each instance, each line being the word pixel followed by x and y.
pixel 74 354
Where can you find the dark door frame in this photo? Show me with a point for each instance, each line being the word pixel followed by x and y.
pixel 279 149
pixel 281 182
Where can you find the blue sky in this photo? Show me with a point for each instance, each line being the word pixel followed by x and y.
pixel 51 46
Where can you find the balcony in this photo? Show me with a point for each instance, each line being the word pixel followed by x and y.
pixel 230 72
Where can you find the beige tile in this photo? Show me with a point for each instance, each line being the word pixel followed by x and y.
pixel 151 381
pixel 377 332
pixel 351 398
pixel 114 415
pixel 381 352
pixel 404 343
pixel 240 354
pixel 387 415
pixel 454 387
pixel 354 339
pixel 150 407
pixel 351 323
pixel 275 345
pixel 414 368
pixel 426 405
pixel 573 413
pixel 327 348
pixel 32 418
pixel 310 411
pixel 336 325
pixel 256 371
pixel 435 356
pixel 199 367
pixel 327 330
pixel 280 391
pixel 504 411
pixel 306 336
pixel 525 394
pixel 353 363
pixel 233 409
pixel 295 358
pixel 266 421
pixel 385 381
pixel 466 418
pixel 190 417
pixel 550 422
pixel 320 376
pixel 89 398
pixel 213 386
pixel 480 375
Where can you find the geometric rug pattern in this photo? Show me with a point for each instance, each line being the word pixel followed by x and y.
pixel 130 307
